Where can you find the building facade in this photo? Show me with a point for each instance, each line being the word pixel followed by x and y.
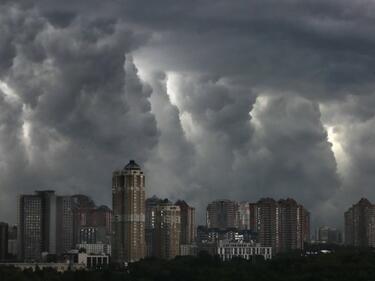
pixel 45 225
pixel 3 241
pixel 228 249
pixel 283 225
pixel 98 248
pixel 188 229
pixel 167 230
pixel 328 235
pixel 128 195
pixel 30 232
pixel 150 226
pixel 267 223
pixel 360 224
pixel 222 214
pixel 64 226
pixel 244 215
pixel 87 217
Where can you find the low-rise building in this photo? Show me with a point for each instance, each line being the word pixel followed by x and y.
pixel 97 248
pixel 229 249
pixel 92 261
pixel 59 267
pixel 188 250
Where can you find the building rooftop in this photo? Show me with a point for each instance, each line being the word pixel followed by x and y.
pixel 132 166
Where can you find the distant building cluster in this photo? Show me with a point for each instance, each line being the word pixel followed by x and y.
pixel 73 232
pixel 50 225
pixel 328 235
pixel 283 225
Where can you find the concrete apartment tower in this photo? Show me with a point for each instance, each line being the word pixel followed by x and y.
pixel 222 214
pixel 150 227
pixel 167 230
pixel 188 229
pixel 244 215
pixel 3 241
pixel 128 198
pixel 360 224
pixel 44 225
pixel 283 225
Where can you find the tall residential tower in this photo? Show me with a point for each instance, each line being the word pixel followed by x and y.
pixel 128 198
pixel 360 224
pixel 222 214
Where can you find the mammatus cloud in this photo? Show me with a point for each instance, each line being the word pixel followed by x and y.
pixel 214 98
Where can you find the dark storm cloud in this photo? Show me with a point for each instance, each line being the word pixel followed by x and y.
pixel 280 150
pixel 296 159
pixel 80 100
pixel 314 48
pixel 238 99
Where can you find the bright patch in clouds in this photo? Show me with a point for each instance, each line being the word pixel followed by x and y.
pixel 8 91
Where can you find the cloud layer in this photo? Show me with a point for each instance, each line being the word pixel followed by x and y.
pixel 215 99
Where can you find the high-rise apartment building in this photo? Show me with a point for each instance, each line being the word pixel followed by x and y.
pixel 44 224
pixel 3 241
pixel 360 224
pixel 128 197
pixel 150 226
pixel 30 232
pixel 222 214
pixel 188 229
pixel 12 242
pixel 283 225
pixel 168 230
pixel 267 223
pixel 87 216
pixel 329 235
pixel 244 215
pixel 102 217
pixel 64 225
pixel 294 225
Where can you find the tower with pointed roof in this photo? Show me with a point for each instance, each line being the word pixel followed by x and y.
pixel 128 198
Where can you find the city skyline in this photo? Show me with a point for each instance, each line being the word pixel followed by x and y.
pixel 51 225
pixel 235 214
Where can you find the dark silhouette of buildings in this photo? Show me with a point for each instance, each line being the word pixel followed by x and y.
pixel 360 224
pixel 3 241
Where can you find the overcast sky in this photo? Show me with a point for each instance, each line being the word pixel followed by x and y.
pixel 214 99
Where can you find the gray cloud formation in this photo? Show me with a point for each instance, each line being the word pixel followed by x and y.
pixel 235 99
pixel 80 102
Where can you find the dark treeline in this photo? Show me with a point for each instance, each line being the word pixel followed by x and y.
pixel 353 265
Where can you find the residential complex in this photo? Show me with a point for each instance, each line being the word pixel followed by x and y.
pixel 283 225
pixel 222 214
pixel 360 224
pixel 328 235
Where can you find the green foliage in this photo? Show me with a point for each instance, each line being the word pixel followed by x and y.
pixel 343 265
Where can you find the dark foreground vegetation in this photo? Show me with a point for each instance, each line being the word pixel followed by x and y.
pixel 354 265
